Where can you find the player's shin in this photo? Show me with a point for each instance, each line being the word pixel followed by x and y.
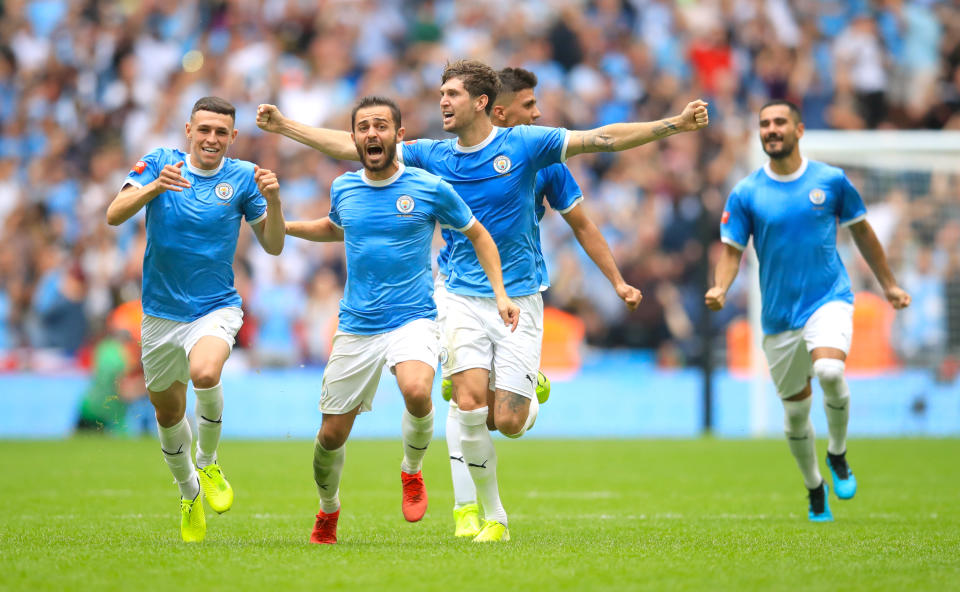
pixel 327 469
pixel 464 492
pixel 802 440
pixel 209 411
pixel 417 433
pixel 176 442
pixel 481 459
pixel 836 401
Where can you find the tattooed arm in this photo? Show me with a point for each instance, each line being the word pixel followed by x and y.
pixel 623 136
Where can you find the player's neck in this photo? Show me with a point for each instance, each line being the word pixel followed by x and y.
pixel 382 174
pixel 476 133
pixel 787 165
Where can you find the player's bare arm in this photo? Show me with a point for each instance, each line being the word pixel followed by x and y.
pixel 321 230
pixel 872 251
pixel 623 136
pixel 335 143
pixel 726 272
pixel 270 231
pixel 593 243
pixel 489 258
pixel 130 199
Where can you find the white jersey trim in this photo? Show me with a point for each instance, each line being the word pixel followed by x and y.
pixel 259 219
pixel 733 243
pixel 383 182
pixel 129 181
pixel 853 221
pixel 575 203
pixel 203 172
pixel 787 178
pixel 563 150
pixel 469 225
pixel 477 147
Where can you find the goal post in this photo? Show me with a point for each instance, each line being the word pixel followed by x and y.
pixel 912 164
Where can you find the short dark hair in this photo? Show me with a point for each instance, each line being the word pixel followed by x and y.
pixel 375 101
pixel 794 110
pixel 477 77
pixel 516 79
pixel 215 105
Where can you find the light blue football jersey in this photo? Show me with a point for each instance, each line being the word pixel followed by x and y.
pixel 496 179
pixel 192 234
pixel 794 220
pixel 387 232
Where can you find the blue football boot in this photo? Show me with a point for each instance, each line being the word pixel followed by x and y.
pixel 844 483
pixel 819 508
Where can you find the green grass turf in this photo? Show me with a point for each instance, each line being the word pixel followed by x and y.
pixel 101 514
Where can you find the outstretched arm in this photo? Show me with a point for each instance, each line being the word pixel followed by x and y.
pixel 623 136
pixel 335 143
pixel 593 243
pixel 726 272
pixel 872 251
pixel 489 258
pixel 321 230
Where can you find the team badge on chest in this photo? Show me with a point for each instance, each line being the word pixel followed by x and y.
pixel 817 196
pixel 224 191
pixel 405 204
pixel 501 164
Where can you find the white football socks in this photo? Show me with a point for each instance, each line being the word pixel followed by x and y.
pixel 801 439
pixel 481 459
pixel 209 411
pixel 327 469
pixel 417 433
pixel 175 443
pixel 836 401
pixel 464 492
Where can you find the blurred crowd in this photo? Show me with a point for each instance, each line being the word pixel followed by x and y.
pixel 88 87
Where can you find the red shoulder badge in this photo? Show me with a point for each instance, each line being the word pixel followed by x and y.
pixel 725 218
pixel 409 142
pixel 139 167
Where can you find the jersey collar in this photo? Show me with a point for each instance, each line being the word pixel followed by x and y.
pixel 486 141
pixel 786 178
pixel 203 172
pixel 385 182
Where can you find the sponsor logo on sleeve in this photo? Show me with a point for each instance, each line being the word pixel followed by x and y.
pixel 725 218
pixel 139 167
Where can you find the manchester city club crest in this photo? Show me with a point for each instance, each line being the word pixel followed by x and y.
pixel 224 191
pixel 405 204
pixel 817 196
pixel 501 164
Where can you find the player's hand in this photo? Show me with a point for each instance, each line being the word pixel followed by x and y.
pixel 509 312
pixel 897 297
pixel 694 116
pixel 267 183
pixel 171 179
pixel 715 298
pixel 630 296
pixel 269 118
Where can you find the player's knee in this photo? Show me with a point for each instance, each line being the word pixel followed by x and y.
pixel 510 425
pixel 205 376
pixel 332 438
pixel 169 415
pixel 829 372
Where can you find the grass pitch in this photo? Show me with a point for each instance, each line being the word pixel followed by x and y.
pixel 102 514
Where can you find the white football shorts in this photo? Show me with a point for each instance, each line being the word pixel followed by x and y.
pixel 356 362
pixel 788 353
pixel 166 344
pixel 475 337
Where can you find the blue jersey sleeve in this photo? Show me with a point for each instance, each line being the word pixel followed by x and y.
pixel 334 198
pixel 560 188
pixel 146 170
pixel 254 203
pixel 850 208
pixel 451 210
pixel 416 153
pixel 544 145
pixel 736 224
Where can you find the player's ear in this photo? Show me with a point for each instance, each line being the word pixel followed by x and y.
pixel 400 133
pixel 233 136
pixel 187 129
pixel 498 111
pixel 482 101
pixel 800 129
